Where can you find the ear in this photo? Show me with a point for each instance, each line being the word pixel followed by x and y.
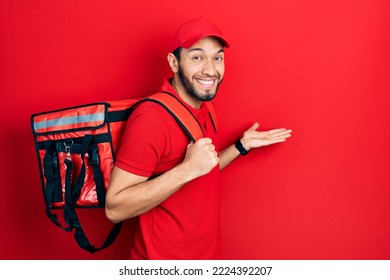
pixel 173 62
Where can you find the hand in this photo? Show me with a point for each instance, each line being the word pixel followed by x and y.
pixel 200 157
pixel 255 139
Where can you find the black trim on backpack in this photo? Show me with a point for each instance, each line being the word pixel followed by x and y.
pixel 53 190
pixel 211 116
pixel 175 117
pixel 84 145
pixel 181 102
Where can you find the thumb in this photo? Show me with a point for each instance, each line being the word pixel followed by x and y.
pixel 255 126
pixel 190 144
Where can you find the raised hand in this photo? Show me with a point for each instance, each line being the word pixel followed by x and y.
pixel 252 138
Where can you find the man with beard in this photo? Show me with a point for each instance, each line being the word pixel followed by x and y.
pixel 178 211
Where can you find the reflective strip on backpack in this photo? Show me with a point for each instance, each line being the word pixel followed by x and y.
pixel 69 121
pixel 84 117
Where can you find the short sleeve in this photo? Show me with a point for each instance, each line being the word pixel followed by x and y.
pixel 145 140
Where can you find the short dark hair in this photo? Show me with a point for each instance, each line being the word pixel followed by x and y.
pixel 177 52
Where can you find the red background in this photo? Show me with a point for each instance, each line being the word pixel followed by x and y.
pixel 318 67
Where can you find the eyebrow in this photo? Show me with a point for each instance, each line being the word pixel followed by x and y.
pixel 200 49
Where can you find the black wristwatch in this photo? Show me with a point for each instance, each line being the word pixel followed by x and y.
pixel 241 148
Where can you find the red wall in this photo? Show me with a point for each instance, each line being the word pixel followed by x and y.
pixel 318 67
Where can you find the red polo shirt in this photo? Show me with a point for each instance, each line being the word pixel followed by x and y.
pixel 186 225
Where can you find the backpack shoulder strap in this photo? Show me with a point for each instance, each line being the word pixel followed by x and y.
pixel 179 112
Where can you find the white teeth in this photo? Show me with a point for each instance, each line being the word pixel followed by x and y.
pixel 206 83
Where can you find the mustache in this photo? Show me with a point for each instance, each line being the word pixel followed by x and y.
pixel 217 76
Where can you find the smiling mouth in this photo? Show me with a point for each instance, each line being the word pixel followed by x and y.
pixel 206 83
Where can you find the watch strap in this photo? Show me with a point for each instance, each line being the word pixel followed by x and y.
pixel 241 148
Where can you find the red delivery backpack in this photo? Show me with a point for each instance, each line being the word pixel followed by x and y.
pixel 76 149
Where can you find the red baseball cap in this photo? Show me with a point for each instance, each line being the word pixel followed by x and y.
pixel 194 30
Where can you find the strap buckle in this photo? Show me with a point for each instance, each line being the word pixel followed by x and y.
pixel 67 148
pixel 94 156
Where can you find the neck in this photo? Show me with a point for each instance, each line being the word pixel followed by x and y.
pixel 184 94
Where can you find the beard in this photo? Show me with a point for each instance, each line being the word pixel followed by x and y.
pixel 193 92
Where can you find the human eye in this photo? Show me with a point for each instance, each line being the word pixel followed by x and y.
pixel 197 58
pixel 219 58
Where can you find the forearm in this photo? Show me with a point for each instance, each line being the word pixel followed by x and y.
pixel 227 156
pixel 131 201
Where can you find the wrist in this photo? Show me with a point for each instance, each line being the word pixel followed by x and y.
pixel 240 146
pixel 185 173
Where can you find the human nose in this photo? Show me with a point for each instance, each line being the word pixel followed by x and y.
pixel 209 68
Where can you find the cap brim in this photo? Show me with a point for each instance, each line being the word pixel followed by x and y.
pixel 193 41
